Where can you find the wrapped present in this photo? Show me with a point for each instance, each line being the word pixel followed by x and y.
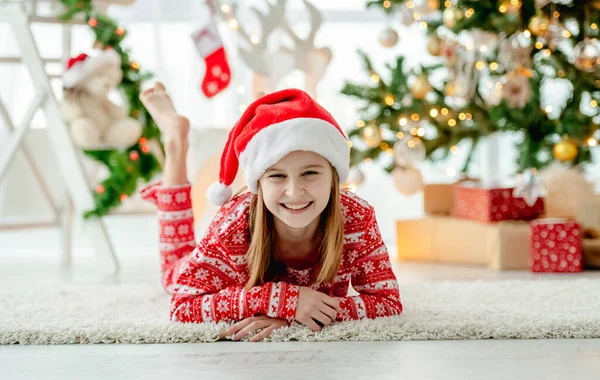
pixel 502 245
pixel 555 246
pixel 591 253
pixel 569 195
pixel 492 204
pixel 587 215
pixel 438 199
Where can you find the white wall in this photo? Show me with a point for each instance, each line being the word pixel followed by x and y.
pixel 21 195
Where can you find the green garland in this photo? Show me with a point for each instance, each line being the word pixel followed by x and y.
pixel 540 133
pixel 126 167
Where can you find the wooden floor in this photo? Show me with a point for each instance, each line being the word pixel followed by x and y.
pixel 33 258
pixel 495 359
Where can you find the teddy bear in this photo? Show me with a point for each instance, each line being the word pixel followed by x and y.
pixel 94 121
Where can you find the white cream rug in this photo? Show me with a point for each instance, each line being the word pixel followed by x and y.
pixel 510 309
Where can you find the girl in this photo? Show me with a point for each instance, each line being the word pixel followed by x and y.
pixel 288 249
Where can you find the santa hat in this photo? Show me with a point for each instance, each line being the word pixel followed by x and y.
pixel 269 129
pixel 78 68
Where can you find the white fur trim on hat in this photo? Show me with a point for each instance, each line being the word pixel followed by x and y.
pixel 218 193
pixel 274 142
pixel 80 70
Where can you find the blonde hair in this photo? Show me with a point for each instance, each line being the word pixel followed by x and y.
pixel 260 256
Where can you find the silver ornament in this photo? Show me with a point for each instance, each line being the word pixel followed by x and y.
pixel 409 150
pixel 408 180
pixel 388 37
pixel 355 177
pixel 587 55
pixel 407 16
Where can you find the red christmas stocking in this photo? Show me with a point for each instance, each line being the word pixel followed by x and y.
pixel 210 47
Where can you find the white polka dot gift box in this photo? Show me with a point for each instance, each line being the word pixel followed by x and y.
pixel 555 246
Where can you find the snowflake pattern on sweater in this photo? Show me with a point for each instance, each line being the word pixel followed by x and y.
pixel 206 280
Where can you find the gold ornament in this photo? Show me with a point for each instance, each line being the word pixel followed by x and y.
pixel 566 150
pixel 510 6
pixel 451 16
pixel 371 134
pixel 596 4
pixel 421 87
pixel 388 37
pixel 449 89
pixel 434 5
pixel 434 46
pixel 539 24
pixel 586 54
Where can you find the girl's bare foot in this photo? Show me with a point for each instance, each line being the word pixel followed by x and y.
pixel 173 126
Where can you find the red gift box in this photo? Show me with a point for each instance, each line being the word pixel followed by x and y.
pixel 555 246
pixel 492 204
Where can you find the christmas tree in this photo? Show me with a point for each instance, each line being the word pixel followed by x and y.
pixel 496 59
pixel 127 168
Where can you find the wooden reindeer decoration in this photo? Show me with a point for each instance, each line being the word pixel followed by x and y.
pixel 269 65
pixel 311 60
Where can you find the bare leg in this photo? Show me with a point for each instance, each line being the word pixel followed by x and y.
pixel 174 128
pixel 173 197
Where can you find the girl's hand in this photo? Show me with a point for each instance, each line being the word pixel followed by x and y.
pixel 316 308
pixel 244 327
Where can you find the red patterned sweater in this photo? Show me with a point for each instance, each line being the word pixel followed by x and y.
pixel 207 280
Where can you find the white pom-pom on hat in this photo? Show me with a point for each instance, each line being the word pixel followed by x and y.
pixel 219 194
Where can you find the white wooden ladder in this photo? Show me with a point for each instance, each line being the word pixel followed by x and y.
pixel 80 196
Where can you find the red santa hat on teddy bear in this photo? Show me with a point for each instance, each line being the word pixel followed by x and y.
pixel 273 126
pixel 80 67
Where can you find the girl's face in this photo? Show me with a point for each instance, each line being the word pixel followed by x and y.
pixel 297 188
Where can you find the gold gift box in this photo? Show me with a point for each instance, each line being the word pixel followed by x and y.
pixel 591 253
pixel 500 245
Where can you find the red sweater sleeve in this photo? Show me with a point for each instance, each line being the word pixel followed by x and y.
pixel 373 279
pixel 202 278
pixel 211 285
pixel 176 226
